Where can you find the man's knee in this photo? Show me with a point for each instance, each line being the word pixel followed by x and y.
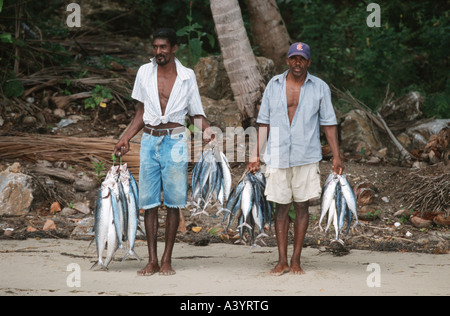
pixel 301 208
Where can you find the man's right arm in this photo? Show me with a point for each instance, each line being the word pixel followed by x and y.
pixel 123 145
pixel 263 134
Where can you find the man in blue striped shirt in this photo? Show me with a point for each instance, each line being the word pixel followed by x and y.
pixel 294 106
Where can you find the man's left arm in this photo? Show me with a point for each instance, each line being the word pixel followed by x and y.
pixel 328 121
pixel 196 112
pixel 331 133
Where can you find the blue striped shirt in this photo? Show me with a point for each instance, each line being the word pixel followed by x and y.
pixel 298 143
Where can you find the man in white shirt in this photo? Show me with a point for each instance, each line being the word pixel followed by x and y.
pixel 166 92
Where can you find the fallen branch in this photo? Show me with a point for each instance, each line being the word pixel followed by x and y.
pixel 405 155
pixel 375 117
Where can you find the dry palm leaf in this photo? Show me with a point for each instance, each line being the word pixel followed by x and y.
pixel 82 151
pixel 427 194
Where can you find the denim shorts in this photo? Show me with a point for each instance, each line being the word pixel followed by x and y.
pixel 163 168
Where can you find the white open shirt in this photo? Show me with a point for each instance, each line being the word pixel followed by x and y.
pixel 184 98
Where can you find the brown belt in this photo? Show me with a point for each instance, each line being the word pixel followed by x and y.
pixel 163 131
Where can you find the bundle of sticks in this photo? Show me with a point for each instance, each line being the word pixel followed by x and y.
pixel 427 194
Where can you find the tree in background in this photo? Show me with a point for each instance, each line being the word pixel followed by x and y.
pixel 409 51
pixel 238 58
pixel 270 35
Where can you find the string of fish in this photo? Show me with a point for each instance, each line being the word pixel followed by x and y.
pixel 338 202
pixel 116 216
pixel 211 181
pixel 248 204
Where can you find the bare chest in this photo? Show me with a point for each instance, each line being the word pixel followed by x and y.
pixel 165 86
pixel 292 98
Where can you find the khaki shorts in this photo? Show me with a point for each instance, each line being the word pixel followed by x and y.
pixel 298 184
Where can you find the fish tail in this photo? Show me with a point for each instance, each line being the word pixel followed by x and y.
pixel 99 266
pixel 246 225
pixel 199 212
pixel 223 210
pixel 131 252
pixel 338 241
pixel 240 241
pixel 262 235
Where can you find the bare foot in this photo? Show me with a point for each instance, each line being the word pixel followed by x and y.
pixel 166 269
pixel 150 269
pixel 296 269
pixel 279 269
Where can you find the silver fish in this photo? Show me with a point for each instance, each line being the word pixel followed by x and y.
pixel 118 214
pixel 258 206
pixel 112 243
pixel 349 196
pixel 348 218
pixel 247 202
pixel 333 217
pixel 327 198
pixel 135 187
pixel 341 206
pixel 258 217
pixel 339 202
pixel 206 168
pixel 234 197
pixel 331 213
pixel 226 174
pixel 103 222
pixel 132 211
pixel 211 181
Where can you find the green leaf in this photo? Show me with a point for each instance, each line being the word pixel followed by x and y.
pixel 196 49
pixel 89 103
pixel 183 31
pixel 6 37
pixel 212 40
pixel 196 26
pixel 13 88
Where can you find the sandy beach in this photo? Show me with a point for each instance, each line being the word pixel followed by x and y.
pixel 62 267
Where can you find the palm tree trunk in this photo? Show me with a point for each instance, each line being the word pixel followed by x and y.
pixel 269 31
pixel 240 63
